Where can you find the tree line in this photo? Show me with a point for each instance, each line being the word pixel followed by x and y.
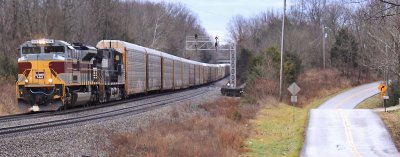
pixel 161 26
pixel 361 36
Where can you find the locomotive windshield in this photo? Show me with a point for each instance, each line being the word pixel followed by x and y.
pixel 54 49
pixel 47 49
pixel 30 50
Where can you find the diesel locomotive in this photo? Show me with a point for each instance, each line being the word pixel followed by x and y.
pixel 54 74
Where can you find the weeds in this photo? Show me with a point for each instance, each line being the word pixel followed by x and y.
pixel 8 103
pixel 220 131
pixel 392 119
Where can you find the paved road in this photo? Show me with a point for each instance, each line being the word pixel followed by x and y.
pixel 337 130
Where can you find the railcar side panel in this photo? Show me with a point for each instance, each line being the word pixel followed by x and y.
pixel 226 70
pixel 136 72
pixel 196 75
pixel 191 75
pixel 167 73
pixel 186 72
pixel 177 74
pixel 214 73
pixel 219 72
pixel 206 73
pixel 209 74
pixel 201 74
pixel 154 72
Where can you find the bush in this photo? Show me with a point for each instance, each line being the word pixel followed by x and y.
pixel 264 74
pixel 237 115
pixel 291 67
pixel 243 64
pixel 8 67
pixel 393 93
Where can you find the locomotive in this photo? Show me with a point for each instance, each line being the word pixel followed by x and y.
pixel 54 74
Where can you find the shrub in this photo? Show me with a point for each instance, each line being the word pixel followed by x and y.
pixel 237 115
pixel 393 93
pixel 8 103
pixel 8 67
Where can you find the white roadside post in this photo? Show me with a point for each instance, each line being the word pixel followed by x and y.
pixel 385 101
pixel 294 89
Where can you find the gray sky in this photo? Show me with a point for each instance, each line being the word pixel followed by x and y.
pixel 214 15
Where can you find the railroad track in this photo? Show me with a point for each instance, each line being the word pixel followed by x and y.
pixel 23 116
pixel 140 107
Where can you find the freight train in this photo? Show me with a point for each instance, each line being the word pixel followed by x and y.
pixel 54 74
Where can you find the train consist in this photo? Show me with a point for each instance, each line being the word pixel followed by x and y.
pixel 54 74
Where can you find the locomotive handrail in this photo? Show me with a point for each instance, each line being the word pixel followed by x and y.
pixel 40 92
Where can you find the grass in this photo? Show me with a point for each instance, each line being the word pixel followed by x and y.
pixel 279 131
pixel 371 103
pixel 391 120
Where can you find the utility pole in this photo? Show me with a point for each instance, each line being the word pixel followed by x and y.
pixel 324 35
pixel 281 70
pixel 386 77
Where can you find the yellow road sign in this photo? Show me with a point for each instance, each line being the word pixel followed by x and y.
pixel 382 87
pixel 383 94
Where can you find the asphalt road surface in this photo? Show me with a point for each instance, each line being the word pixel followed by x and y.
pixel 337 130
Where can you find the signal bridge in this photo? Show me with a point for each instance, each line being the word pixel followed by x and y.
pixel 205 43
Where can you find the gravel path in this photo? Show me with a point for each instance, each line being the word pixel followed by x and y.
pixel 90 139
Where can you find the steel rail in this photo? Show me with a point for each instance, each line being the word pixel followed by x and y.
pixel 29 115
pixel 132 110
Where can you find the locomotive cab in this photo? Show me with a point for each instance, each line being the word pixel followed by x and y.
pixel 111 76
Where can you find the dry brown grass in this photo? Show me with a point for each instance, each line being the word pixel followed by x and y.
pixel 220 131
pixel 315 83
pixel 392 120
pixel 8 102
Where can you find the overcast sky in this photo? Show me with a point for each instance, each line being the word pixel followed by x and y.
pixel 214 15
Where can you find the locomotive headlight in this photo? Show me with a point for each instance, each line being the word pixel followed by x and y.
pixel 42 41
pixel 50 80
pixel 26 80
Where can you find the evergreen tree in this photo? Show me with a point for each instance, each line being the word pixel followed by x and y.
pixel 344 51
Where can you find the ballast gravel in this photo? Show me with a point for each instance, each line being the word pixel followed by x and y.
pixel 90 139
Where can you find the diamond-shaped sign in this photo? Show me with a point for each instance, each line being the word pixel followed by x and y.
pixel 294 88
pixel 382 87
